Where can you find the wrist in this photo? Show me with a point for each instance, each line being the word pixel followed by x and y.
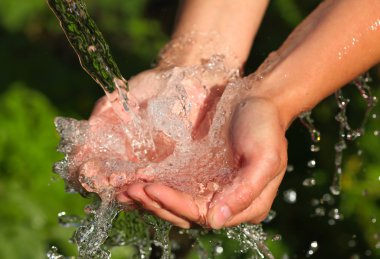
pixel 197 48
pixel 274 88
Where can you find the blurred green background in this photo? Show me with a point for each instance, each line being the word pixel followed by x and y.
pixel 41 78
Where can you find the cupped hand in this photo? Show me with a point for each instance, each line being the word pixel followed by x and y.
pixel 202 89
pixel 259 144
pixel 260 148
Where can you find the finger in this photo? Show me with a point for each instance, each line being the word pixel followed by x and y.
pixel 123 197
pixel 137 193
pixel 246 187
pixel 260 207
pixel 177 202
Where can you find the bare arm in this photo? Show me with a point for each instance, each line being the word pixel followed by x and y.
pixel 336 43
pixel 215 27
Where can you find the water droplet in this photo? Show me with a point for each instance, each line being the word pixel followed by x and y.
pixel 320 211
pixel 277 237
pixel 309 182
pixel 355 256
pixel 373 220
pixel 290 168
pixel 314 148
pixel 53 253
pixel 315 135
pixel 327 199
pixel 374 116
pixel 312 249
pixel 376 133
pixel 335 189
pixel 290 196
pixel 351 243
pixel 314 202
pixel 335 214
pixel 218 249
pixel 311 163
pixel 341 145
pixel 270 217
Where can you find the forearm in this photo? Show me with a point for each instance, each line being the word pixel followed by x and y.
pixel 336 43
pixel 223 27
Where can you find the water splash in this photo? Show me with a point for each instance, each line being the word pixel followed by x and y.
pixel 346 132
pixel 250 238
pixel 96 59
pixel 308 122
pixel 93 232
pixel 90 46
pixel 53 253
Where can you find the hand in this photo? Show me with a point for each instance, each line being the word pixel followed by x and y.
pixel 259 146
pixel 259 143
pixel 145 87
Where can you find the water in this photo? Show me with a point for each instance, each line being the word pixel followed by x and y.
pixel 346 131
pixel 161 141
pixel 96 59
pixel 172 139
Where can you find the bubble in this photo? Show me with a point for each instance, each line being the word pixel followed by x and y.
pixel 290 196
pixel 309 182
pixel 311 163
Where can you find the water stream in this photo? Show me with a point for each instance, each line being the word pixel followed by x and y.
pixel 162 131
pixel 156 142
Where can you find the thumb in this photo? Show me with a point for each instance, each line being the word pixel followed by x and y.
pixel 246 187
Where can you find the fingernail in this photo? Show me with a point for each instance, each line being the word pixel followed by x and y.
pixel 156 204
pixel 220 217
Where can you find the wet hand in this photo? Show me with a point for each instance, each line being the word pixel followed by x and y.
pixel 260 146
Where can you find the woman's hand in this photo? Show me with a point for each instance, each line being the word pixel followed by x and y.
pixel 259 144
pixel 260 147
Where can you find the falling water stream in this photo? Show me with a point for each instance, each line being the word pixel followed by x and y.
pixel 106 224
pixel 103 227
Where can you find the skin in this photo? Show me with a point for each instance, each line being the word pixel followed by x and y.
pixel 334 44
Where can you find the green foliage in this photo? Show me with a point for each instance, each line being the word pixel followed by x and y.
pixel 30 198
